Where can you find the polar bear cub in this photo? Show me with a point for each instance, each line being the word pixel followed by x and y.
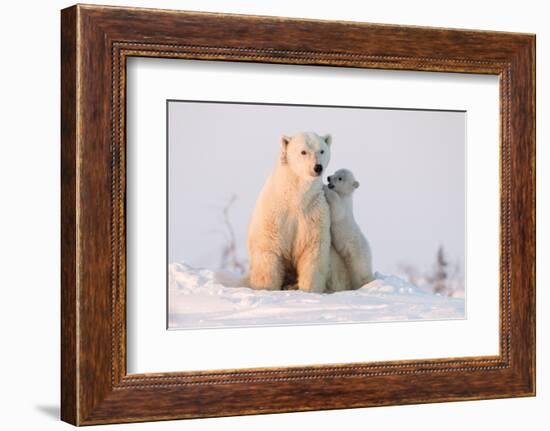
pixel 346 235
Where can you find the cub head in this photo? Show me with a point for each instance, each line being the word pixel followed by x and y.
pixel 306 154
pixel 342 182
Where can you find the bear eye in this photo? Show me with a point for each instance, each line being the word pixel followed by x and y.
pixel 303 153
pixel 322 151
pixel 339 178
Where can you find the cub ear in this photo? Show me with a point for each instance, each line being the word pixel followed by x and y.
pixel 356 184
pixel 284 146
pixel 328 139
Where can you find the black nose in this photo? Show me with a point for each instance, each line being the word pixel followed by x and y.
pixel 328 178
pixel 318 169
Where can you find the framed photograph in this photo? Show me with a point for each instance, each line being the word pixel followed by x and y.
pixel 410 220
pixel 265 214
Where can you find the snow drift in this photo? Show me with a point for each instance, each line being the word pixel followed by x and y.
pixel 202 298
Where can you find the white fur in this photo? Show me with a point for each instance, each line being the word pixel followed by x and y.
pixel 289 232
pixel 346 235
pixel 339 277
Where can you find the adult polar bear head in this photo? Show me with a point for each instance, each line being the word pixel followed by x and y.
pixel 289 232
pixel 306 154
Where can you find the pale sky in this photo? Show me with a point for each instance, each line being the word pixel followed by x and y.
pixel 410 164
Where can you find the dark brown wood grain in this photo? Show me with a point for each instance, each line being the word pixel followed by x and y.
pixel 95 43
pixel 68 216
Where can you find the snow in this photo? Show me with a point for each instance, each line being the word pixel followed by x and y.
pixel 202 298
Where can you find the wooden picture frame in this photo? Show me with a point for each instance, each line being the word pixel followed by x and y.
pixel 95 43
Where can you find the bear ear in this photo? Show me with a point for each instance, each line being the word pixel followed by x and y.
pixel 284 146
pixel 356 184
pixel 328 139
pixel 284 141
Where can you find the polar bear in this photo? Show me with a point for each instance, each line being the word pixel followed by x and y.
pixel 346 235
pixel 289 231
pixel 339 277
